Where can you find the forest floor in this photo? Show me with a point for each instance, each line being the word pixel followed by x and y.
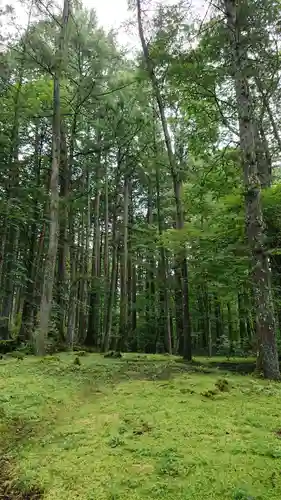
pixel 143 427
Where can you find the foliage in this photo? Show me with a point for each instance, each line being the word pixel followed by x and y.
pixel 111 139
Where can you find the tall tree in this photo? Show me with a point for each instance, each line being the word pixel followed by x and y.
pixel 47 294
pixel 267 348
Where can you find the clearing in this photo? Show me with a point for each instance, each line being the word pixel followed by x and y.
pixel 136 428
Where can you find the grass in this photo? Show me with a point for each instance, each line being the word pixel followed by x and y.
pixel 144 427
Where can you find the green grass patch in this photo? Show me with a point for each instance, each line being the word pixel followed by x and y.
pixel 140 427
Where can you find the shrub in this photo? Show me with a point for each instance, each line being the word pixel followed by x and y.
pixel 27 348
pixel 81 353
pixel 8 345
pixel 222 385
pixel 17 354
pixel 113 354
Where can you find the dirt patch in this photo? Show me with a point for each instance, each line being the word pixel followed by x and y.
pixel 8 485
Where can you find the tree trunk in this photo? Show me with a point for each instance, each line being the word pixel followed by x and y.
pixel 182 261
pixel 123 323
pixel 94 313
pixel 26 329
pixel 267 350
pixel 164 317
pixel 114 268
pixel 63 240
pixel 47 294
pixel 242 319
pixel 106 248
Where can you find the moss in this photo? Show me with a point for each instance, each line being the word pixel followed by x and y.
pixel 90 435
pixel 209 393
pixel 50 359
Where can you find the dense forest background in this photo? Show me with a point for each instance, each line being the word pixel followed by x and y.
pixel 126 181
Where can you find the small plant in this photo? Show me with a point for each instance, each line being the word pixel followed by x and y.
pixel 209 394
pixel 170 464
pixel 242 495
pixel 116 441
pixel 142 429
pixel 27 348
pixel 222 385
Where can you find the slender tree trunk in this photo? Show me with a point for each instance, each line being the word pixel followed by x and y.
pixel 130 266
pixel 73 288
pixel 123 323
pixel 178 310
pixel 106 248
pixel 164 323
pixel 263 157
pixel 218 319
pixel 10 228
pixel 26 329
pixel 156 343
pixel 86 223
pixel 93 332
pixel 134 309
pixel 10 235
pixel 63 239
pixel 114 269
pixel 266 104
pixel 112 293
pixel 182 261
pixel 70 336
pixel 230 328
pixel 242 318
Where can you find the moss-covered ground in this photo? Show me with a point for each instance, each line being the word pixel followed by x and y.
pixel 142 427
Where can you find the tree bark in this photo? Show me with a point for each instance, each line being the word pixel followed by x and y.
pixel 267 350
pixel 47 293
pixel 123 320
pixel 26 329
pixel 164 319
pixel 93 332
pixel 63 237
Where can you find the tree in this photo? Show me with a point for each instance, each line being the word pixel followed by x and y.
pixel 267 350
pixel 47 293
pixel 182 260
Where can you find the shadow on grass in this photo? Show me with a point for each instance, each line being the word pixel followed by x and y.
pixel 164 370
pixel 242 368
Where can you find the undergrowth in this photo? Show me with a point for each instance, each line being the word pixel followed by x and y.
pixel 136 428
